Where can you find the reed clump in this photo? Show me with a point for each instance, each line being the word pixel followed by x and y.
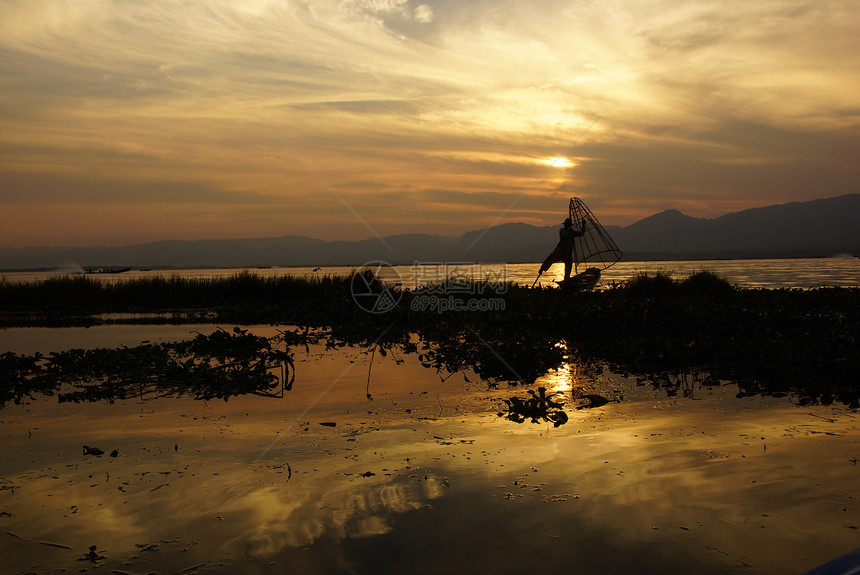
pixel 662 283
pixel 706 282
pixel 84 294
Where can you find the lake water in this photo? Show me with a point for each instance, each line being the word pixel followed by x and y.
pixel 769 273
pixel 375 464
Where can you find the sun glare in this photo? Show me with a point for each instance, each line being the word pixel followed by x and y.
pixel 559 162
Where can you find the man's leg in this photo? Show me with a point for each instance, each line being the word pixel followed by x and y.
pixel 547 263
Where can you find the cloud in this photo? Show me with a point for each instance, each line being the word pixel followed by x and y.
pixel 700 107
pixel 401 9
pixel 28 188
pixel 423 13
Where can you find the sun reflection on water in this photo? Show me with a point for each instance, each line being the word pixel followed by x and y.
pixel 561 380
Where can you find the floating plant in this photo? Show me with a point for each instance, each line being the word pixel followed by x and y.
pixel 538 407
pixel 219 365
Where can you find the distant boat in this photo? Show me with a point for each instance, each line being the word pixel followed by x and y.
pixel 595 247
pixel 107 270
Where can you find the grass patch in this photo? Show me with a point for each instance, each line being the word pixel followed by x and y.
pixel 645 285
pixel 707 283
pixel 83 294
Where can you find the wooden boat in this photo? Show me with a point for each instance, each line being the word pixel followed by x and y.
pixel 581 281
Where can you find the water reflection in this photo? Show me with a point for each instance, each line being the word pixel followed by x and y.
pixel 683 486
pixel 426 477
pixel 573 380
pixel 277 519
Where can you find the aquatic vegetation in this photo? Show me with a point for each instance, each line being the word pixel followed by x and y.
pixel 706 282
pixel 798 342
pixel 240 293
pixel 644 285
pixel 219 365
pixel 537 407
pixel 20 377
pixel 92 555
pixel 662 284
pixel 783 341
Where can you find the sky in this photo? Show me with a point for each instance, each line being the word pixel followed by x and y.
pixel 130 121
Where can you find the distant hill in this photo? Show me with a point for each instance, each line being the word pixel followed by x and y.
pixel 798 229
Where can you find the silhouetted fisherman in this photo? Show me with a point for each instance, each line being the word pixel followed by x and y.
pixel 563 252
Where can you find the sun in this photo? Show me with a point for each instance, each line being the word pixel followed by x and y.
pixel 558 162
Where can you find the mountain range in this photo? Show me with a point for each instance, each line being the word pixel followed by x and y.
pixel 798 229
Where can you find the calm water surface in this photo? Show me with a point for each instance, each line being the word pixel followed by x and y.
pixel 770 273
pixel 422 477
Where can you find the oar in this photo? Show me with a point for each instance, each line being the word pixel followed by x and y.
pixel 537 278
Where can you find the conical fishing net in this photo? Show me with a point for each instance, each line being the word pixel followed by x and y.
pixel 594 247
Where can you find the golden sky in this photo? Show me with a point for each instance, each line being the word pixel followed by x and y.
pixel 126 122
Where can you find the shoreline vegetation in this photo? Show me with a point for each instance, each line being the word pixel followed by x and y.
pixel 662 330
